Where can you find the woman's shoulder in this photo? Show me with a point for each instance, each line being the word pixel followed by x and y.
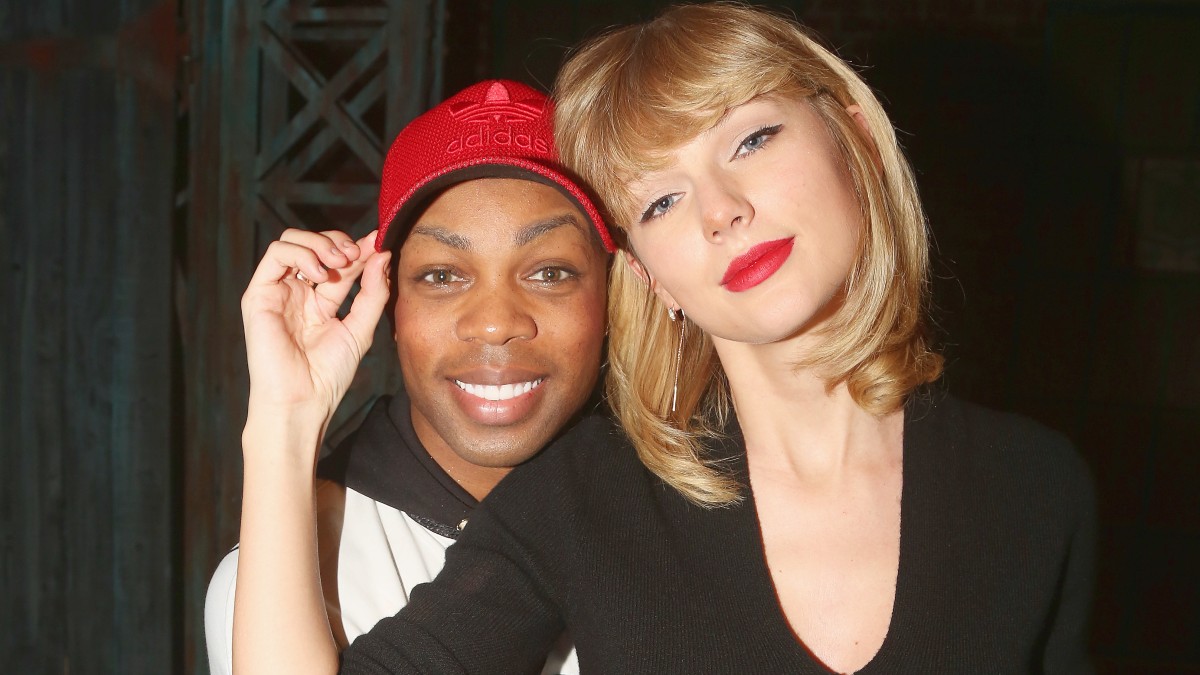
pixel 1009 449
pixel 595 443
pixel 591 454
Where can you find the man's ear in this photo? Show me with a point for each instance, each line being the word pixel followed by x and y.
pixel 644 274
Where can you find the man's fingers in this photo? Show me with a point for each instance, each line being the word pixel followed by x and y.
pixel 371 299
pixel 339 281
pixel 344 243
pixel 336 250
pixel 313 255
pixel 283 258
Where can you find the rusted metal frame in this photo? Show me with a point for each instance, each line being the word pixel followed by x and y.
pixel 273 93
pixel 331 193
pixel 324 140
pixel 306 78
pixel 277 213
pixel 279 11
pixel 277 191
pixel 298 15
pixel 322 101
pixel 303 77
pixel 353 33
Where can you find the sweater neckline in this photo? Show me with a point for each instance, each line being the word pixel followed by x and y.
pixel 920 406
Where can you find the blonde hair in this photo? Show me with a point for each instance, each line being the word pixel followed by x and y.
pixel 625 100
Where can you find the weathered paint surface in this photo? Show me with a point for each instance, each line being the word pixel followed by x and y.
pixel 86 498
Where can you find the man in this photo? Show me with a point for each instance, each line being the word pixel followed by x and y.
pixel 497 298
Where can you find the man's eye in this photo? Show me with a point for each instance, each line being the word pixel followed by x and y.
pixel 440 277
pixel 549 275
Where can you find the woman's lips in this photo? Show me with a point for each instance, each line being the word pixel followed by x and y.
pixel 757 265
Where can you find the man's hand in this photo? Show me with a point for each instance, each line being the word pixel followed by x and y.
pixel 302 359
pixel 301 356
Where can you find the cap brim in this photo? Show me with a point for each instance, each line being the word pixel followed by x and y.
pixel 421 194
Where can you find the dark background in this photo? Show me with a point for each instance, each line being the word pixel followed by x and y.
pixel 150 149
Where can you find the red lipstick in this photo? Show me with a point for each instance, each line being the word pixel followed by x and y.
pixel 757 265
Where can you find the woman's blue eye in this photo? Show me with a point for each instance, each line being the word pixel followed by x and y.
pixel 757 140
pixel 659 207
pixel 754 142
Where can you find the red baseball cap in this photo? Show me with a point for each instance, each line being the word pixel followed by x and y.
pixel 492 129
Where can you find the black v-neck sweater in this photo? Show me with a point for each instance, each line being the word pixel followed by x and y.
pixel 996 555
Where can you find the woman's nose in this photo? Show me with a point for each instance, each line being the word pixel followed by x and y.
pixel 724 206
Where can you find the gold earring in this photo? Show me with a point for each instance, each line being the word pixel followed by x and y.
pixel 678 352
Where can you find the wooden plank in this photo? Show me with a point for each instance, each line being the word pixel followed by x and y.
pixel 211 463
pixel 87 566
pixel 145 486
pixel 90 269
pixel 34 558
pixel 11 314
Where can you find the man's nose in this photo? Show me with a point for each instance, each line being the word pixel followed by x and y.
pixel 495 313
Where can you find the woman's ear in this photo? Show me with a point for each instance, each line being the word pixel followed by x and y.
pixel 856 113
pixel 860 118
pixel 636 266
pixel 648 279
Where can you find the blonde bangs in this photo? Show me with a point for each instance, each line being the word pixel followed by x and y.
pixel 641 91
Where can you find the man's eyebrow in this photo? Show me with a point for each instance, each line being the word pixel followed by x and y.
pixel 529 233
pixel 444 236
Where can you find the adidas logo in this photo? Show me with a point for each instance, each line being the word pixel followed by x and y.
pixel 488 136
pixel 497 107
pixel 495 117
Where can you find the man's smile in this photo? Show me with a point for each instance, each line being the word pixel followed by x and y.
pixel 503 392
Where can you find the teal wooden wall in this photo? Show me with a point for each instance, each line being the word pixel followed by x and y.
pixel 88 493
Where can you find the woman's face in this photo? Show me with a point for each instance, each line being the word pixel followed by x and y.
pixel 754 227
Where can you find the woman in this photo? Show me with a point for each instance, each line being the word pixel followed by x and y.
pixel 764 197
pixel 811 502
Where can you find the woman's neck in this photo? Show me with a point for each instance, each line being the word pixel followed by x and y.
pixel 794 423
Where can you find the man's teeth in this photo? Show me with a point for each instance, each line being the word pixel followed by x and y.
pixel 501 392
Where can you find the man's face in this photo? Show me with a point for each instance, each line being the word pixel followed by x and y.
pixel 500 304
